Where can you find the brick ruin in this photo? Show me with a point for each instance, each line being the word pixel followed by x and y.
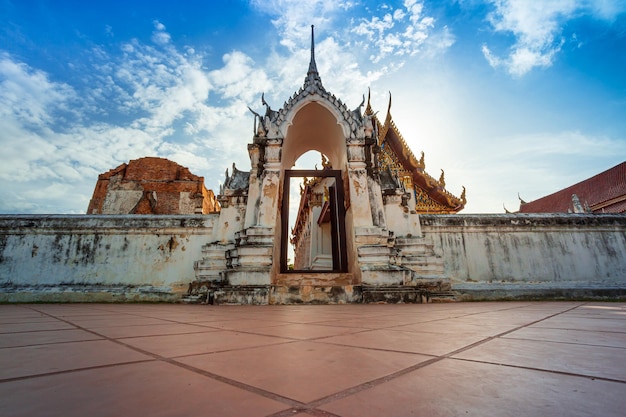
pixel 151 185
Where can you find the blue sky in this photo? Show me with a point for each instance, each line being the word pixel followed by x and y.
pixel 506 96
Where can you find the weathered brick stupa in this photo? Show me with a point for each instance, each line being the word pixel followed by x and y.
pixel 151 186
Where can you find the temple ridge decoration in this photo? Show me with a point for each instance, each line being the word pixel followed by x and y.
pixel 395 155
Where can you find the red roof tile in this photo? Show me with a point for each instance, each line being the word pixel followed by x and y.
pixel 605 192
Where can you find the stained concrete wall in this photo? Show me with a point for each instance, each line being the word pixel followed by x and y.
pixel 150 258
pixel 531 255
pixel 99 258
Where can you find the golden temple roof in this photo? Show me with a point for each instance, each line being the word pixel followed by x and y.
pixel 431 195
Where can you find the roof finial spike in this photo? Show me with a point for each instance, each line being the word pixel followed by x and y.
pixel 388 119
pixel 312 77
pixel 312 64
pixel 368 107
pixel 312 42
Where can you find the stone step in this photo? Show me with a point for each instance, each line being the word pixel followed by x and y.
pixel 443 297
pixel 414 242
pixel 422 261
pixel 394 295
pixel 377 254
pixel 416 254
pixel 405 294
pixel 424 270
pixel 427 267
pixel 415 246
pixel 249 256
pixel 255 236
pixel 193 299
pixel 238 295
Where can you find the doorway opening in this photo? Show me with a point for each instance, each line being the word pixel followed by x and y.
pixel 318 234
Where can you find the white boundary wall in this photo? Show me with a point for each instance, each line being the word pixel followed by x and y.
pixel 99 257
pixel 531 255
pixel 151 258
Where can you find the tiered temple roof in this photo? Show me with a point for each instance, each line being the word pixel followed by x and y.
pixel 430 194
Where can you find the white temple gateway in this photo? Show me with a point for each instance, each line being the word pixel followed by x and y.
pixel 356 234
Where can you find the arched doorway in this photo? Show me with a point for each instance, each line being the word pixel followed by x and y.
pixel 323 204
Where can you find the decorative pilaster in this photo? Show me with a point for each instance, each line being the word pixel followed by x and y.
pixel 254 188
pixel 270 186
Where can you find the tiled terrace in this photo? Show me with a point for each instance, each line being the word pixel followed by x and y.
pixel 458 359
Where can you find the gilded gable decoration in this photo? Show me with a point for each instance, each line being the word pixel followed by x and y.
pixel 396 156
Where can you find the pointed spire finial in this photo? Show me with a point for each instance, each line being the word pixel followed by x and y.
pixel 312 76
pixel 312 65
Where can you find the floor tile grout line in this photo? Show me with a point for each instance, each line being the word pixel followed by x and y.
pixel 69 371
pixel 19 323
pixel 564 342
pixel 550 371
pixel 377 349
pixel 582 330
pixel 161 335
pixel 320 413
pixel 191 355
pixel 462 349
pixel 313 339
pixel 36 331
pixel 309 411
pixel 62 342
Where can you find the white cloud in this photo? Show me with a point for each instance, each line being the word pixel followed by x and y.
pixel 159 26
pixel 537 28
pixel 293 18
pixel 240 77
pixel 403 31
pixel 28 95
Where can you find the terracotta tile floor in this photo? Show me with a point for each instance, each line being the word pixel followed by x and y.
pixel 461 359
